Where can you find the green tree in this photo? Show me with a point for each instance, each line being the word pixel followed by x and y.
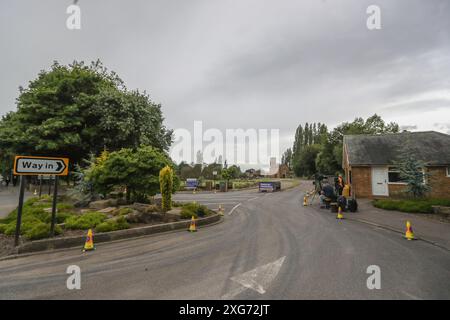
pixel 77 110
pixel 208 170
pixel 412 173
pixel 287 158
pixel 166 187
pixel 326 162
pixel 306 164
pixel 137 170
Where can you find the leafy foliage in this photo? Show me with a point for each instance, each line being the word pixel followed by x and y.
pixel 195 210
pixel 85 221
pixel 411 172
pixel 76 110
pixel 35 220
pixel 411 205
pixel 166 186
pixel 112 225
pixel 138 170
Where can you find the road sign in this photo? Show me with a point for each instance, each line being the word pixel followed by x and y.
pixel 191 183
pixel 31 165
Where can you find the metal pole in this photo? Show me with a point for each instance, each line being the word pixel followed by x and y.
pixel 55 195
pixel 40 186
pixel 19 210
pixel 49 185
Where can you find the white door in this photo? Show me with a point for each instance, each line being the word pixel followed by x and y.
pixel 380 181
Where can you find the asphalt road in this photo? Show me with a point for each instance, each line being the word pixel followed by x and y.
pixel 9 199
pixel 269 247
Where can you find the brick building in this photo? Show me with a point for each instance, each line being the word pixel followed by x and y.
pixel 369 162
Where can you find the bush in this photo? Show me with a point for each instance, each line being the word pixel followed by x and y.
pixel 194 209
pixel 41 230
pixel 166 187
pixel 64 206
pixel 113 225
pixel 28 222
pixel 86 221
pixel 411 205
pixel 123 211
pixel 35 220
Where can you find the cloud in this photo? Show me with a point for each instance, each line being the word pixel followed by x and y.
pixel 247 64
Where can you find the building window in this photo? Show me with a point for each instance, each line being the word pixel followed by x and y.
pixel 394 175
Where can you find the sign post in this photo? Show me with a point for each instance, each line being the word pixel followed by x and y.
pixel 31 165
pixel 40 186
pixel 19 211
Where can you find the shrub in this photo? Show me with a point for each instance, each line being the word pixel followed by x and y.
pixel 28 222
pixel 123 211
pixel 113 225
pixel 41 230
pixel 61 217
pixel 64 206
pixel 194 209
pixel 85 221
pixel 166 186
pixel 411 205
pixel 35 220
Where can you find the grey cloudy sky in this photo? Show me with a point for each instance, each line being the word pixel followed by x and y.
pixel 247 63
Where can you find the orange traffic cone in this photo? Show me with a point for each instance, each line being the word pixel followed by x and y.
pixel 409 235
pixel 192 227
pixel 89 244
pixel 305 199
pixel 339 215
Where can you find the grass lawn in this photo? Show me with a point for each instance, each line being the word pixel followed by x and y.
pixel 411 205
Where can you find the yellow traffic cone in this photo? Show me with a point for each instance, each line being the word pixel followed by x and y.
pixel 305 199
pixel 340 215
pixel 220 210
pixel 192 227
pixel 409 235
pixel 89 244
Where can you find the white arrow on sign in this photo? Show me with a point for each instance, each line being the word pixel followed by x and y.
pixel 257 279
pixel 40 166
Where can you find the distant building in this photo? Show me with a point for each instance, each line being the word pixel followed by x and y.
pixel 273 166
pixel 278 170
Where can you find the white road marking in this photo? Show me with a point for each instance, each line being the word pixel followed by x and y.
pixel 253 199
pixel 411 295
pixel 231 211
pixel 257 279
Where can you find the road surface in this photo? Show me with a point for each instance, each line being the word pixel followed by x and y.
pixel 9 199
pixel 269 247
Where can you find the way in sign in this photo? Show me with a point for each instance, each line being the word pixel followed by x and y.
pixel 40 165
pixel 37 166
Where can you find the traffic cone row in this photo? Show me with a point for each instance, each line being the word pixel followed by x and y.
pixel 339 215
pixel 89 244
pixel 409 235
pixel 221 210
pixel 192 227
